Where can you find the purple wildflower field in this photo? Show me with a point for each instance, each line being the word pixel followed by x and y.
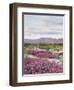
pixel 40 61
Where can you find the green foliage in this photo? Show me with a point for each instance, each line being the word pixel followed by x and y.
pixel 45 46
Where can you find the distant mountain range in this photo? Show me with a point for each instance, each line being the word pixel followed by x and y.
pixel 43 40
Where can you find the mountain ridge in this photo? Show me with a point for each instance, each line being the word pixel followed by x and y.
pixel 43 40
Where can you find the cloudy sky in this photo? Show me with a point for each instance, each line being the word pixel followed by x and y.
pixel 40 26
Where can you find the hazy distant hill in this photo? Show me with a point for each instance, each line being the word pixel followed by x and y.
pixel 43 40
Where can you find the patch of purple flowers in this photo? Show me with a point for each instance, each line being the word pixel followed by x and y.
pixel 43 54
pixel 39 66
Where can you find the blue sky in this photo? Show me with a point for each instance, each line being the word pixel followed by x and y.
pixel 39 26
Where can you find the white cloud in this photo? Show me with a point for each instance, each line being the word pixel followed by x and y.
pixel 43 26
